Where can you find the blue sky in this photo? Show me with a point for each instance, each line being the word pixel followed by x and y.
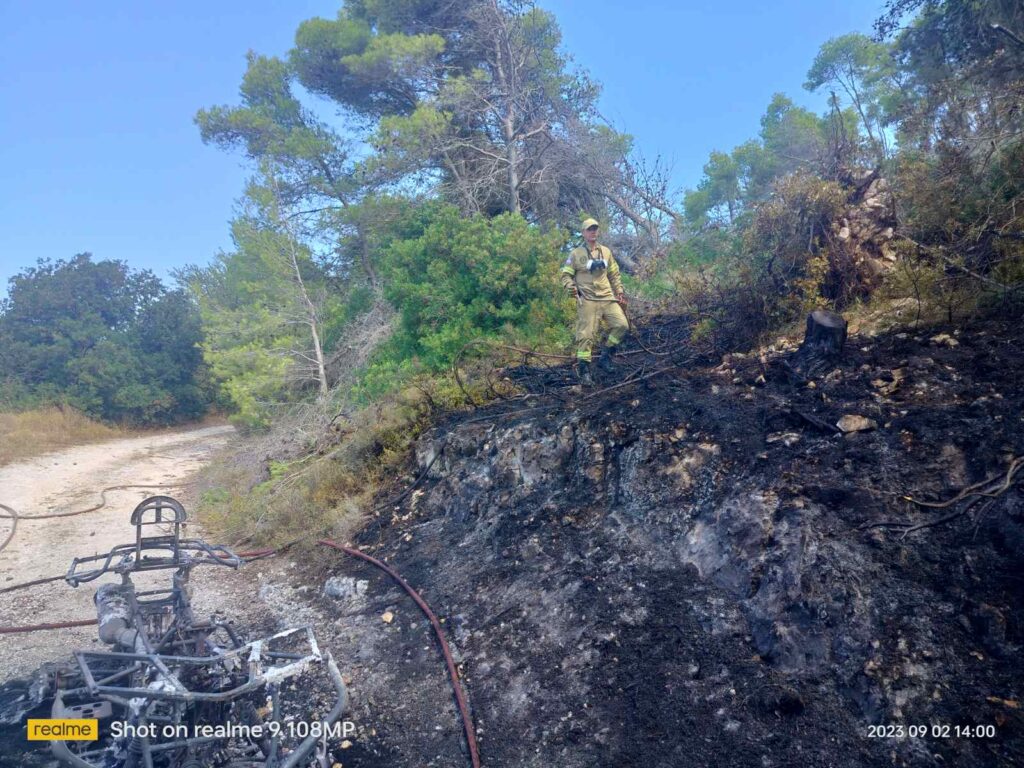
pixel 99 152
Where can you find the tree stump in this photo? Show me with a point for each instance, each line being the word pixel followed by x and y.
pixel 823 342
pixel 825 334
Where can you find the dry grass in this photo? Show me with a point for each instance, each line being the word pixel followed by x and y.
pixel 268 492
pixel 30 433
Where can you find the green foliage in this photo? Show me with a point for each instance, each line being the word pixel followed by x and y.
pixel 864 71
pixel 791 139
pixel 440 118
pixel 945 84
pixel 719 190
pixel 112 342
pixel 462 162
pixel 470 103
pixel 848 61
pixel 786 240
pixel 309 158
pixel 405 144
pixel 474 98
pixel 962 76
pixel 358 61
pixel 710 248
pixel 740 283
pixel 455 279
pixel 255 316
pixel 948 195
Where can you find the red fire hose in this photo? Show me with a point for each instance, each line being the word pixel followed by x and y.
pixel 460 698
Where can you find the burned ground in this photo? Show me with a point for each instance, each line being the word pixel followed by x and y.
pixel 680 571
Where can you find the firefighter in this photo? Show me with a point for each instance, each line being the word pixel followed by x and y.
pixel 591 276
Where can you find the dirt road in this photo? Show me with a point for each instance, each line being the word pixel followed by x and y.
pixel 70 480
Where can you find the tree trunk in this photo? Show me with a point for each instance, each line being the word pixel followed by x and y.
pixel 823 343
pixel 309 308
pixel 825 334
pixel 630 213
pixel 512 153
pixel 312 318
pixel 371 273
pixel 505 69
pixel 321 367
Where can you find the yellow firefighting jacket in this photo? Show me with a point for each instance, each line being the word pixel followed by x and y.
pixel 597 285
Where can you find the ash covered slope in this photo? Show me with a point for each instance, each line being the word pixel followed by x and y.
pixel 673 572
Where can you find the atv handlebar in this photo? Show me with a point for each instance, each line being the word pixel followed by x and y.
pixel 180 554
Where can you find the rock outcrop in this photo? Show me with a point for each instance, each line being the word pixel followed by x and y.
pixel 868 229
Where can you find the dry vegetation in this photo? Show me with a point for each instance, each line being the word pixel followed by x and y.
pixel 30 433
pixel 311 475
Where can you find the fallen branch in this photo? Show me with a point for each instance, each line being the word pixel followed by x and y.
pixel 973 490
pixel 944 519
pixel 972 493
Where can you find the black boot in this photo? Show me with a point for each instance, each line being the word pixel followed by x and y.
pixel 583 368
pixel 607 360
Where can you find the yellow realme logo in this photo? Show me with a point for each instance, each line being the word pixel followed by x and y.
pixel 63 730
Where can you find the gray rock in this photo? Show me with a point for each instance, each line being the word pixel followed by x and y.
pixel 345 587
pixel 854 423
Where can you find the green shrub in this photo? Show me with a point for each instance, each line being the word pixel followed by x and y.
pixel 454 280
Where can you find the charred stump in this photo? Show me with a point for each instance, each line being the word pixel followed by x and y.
pixel 825 334
pixel 823 342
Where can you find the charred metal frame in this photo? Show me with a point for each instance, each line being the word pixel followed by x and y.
pixel 158 646
pixel 131 557
pixel 174 690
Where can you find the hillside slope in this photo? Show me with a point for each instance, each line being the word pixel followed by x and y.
pixel 676 571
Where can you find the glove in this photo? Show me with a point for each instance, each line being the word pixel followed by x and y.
pixel 571 290
pixel 621 298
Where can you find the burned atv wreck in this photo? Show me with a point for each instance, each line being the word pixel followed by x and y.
pixel 174 691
